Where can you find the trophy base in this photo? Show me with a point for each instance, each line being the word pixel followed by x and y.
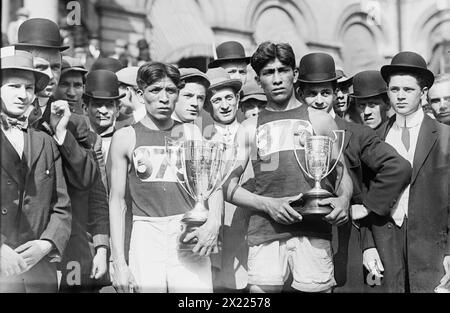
pixel 309 203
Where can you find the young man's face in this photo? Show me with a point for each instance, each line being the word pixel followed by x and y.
pixel 71 88
pixel 160 98
pixel 17 91
pixel 439 99
pixel 102 113
pixel 341 103
pixel 277 80
pixel 236 69
pixel 372 111
pixel 319 96
pixel 405 94
pixel 48 61
pixel 190 102
pixel 251 107
pixel 224 106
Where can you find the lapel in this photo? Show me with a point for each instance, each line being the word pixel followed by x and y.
pixel 10 159
pixel 427 137
pixel 343 125
pixel 384 129
pixel 33 149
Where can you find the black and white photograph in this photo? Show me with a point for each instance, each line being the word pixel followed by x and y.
pixel 242 148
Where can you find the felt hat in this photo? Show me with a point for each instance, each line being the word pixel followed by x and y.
pixel 368 84
pixel 219 78
pixel 317 67
pixel 251 90
pixel 189 72
pixel 70 64
pixel 229 51
pixel 40 32
pixel 102 84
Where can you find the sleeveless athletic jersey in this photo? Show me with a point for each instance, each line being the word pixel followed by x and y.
pixel 155 191
pixel 278 174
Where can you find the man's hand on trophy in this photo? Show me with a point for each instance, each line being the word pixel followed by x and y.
pixel 123 280
pixel 280 209
pixel 339 215
pixel 207 235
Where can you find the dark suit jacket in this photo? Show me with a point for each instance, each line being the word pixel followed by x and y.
pixel 428 220
pixel 90 223
pixel 379 174
pixel 79 166
pixel 42 210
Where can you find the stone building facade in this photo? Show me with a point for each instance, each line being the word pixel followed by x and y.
pixel 360 34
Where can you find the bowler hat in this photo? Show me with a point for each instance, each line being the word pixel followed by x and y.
pixel 343 80
pixel 22 60
pixel 409 62
pixel 189 72
pixel 70 64
pixel 219 78
pixel 102 84
pixel 368 84
pixel 109 64
pixel 40 32
pixel 317 67
pixel 251 90
pixel 229 51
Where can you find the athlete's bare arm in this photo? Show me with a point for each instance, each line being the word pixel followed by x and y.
pixel 122 144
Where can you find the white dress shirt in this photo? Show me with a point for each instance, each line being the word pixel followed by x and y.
pixel 16 137
pixel 394 138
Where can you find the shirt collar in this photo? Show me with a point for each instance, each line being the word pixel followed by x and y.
pixel 333 114
pixel 223 128
pixel 412 120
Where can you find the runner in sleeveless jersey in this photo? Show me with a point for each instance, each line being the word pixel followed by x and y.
pixel 281 241
pixel 158 201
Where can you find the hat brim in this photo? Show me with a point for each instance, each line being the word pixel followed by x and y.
pixel 204 78
pixel 345 80
pixel 42 79
pixel 258 97
pixel 318 81
pixel 235 84
pixel 388 70
pixel 367 96
pixel 104 98
pixel 74 69
pixel 218 62
pixel 60 48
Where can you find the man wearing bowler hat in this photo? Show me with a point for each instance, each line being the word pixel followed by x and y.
pixel 231 57
pixel 35 207
pixel 378 173
pixel 341 104
pixel 414 240
pixel 42 39
pixel 371 100
pixel 281 241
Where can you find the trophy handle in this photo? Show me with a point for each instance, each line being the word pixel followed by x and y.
pixel 296 156
pixel 335 132
pixel 177 145
pixel 221 178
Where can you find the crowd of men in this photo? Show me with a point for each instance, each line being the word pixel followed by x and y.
pixel 89 200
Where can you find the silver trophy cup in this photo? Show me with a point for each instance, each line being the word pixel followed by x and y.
pixel 201 167
pixel 317 157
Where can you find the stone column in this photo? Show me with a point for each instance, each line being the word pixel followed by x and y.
pixel 6 18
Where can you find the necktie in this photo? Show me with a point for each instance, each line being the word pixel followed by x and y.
pixel 405 136
pixel 8 122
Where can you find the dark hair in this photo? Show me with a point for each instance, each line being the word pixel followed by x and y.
pixel 269 51
pixel 420 80
pixel 152 72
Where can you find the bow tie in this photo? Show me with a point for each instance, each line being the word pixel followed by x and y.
pixel 9 122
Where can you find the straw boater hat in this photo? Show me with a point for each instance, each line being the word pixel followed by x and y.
pixel 22 60
pixel 229 51
pixel 317 68
pixel 40 32
pixel 409 62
